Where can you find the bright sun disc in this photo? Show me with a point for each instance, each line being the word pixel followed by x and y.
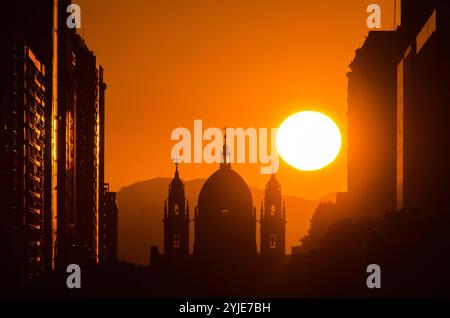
pixel 308 140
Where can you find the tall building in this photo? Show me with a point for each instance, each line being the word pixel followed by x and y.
pixel 22 140
pixel 273 220
pixel 176 219
pixel 80 153
pixel 52 121
pixel 107 199
pixel 108 227
pixel 397 110
pixel 423 98
pixel 25 105
pixel 398 101
pixel 372 124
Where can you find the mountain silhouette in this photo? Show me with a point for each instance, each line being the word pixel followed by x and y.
pixel 141 212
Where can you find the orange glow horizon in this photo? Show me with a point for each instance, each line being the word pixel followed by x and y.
pixel 237 63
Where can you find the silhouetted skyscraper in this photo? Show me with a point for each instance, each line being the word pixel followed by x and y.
pixel 176 219
pixel 22 140
pixel 108 227
pixel 423 99
pixel 372 124
pixel 26 104
pixel 397 114
pixel 53 101
pixel 80 188
pixel 273 220
pixel 105 198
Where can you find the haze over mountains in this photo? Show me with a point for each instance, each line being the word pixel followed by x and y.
pixel 141 207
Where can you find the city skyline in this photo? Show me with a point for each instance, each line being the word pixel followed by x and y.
pixel 374 149
pixel 56 207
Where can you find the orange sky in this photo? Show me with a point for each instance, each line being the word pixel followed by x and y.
pixel 240 63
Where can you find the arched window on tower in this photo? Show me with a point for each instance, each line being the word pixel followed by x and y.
pixel 176 209
pixel 272 241
pixel 176 240
pixel 272 209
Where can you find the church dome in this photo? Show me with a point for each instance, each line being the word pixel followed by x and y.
pixel 225 221
pixel 225 190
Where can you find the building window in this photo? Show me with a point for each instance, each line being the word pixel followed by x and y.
pixel 176 241
pixel 272 241
pixel 176 209
pixel 272 209
pixel 74 59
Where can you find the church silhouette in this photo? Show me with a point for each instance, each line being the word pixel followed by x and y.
pixel 225 223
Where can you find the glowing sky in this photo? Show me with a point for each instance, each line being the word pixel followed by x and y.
pixel 236 62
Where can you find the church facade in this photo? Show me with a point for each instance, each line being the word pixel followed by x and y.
pixel 225 223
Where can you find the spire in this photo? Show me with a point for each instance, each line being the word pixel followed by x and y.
pixel 225 151
pixel 176 186
pixel 177 175
pixel 273 183
pixel 176 181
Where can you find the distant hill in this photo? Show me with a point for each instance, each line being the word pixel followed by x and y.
pixel 141 213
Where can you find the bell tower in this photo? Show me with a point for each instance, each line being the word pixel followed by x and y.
pixel 176 219
pixel 273 220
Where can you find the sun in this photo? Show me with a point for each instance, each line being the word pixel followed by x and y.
pixel 308 141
